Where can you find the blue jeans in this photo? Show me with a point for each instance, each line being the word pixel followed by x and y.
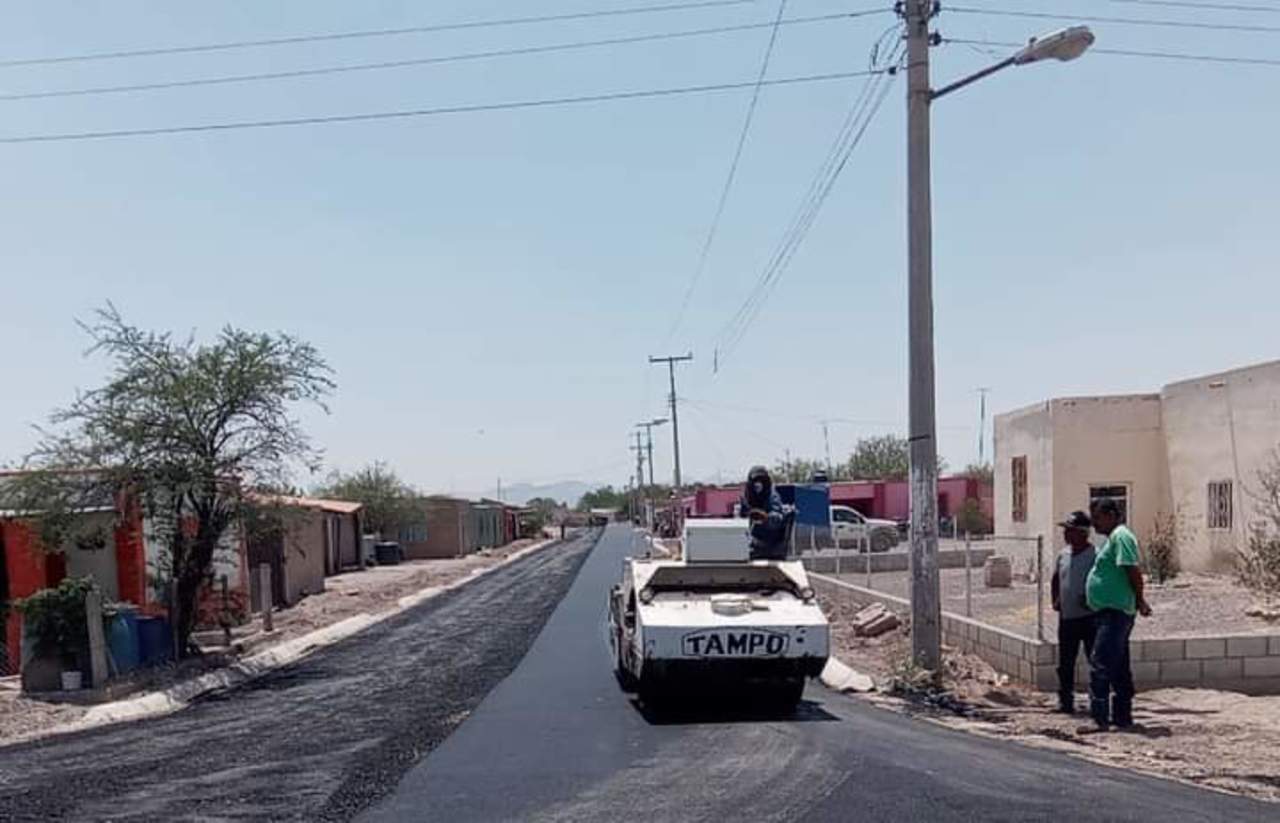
pixel 1110 677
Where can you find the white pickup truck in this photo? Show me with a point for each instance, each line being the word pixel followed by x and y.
pixel 716 620
pixel 850 527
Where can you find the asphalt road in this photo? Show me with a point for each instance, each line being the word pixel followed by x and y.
pixel 557 740
pixel 320 740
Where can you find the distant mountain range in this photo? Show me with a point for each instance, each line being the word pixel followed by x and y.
pixel 567 492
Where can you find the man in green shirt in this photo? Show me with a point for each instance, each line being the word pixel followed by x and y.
pixel 1115 593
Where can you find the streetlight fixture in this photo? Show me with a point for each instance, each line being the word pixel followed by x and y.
pixel 1067 44
pixel 1064 45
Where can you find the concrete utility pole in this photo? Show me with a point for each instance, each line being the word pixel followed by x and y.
pixel 648 430
pixel 638 448
pixel 826 442
pixel 675 419
pixel 982 425
pixel 926 617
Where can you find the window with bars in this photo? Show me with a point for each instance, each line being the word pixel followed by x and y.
pixel 1019 488
pixel 1117 493
pixel 1219 512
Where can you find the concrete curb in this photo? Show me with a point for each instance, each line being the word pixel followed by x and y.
pixel 180 695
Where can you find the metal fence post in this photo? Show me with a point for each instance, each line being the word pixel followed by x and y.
pixel 968 579
pixel 1040 587
pixel 867 546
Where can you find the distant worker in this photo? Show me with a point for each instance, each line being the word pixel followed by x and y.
pixel 1075 618
pixel 763 507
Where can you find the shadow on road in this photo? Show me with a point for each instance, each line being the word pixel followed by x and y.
pixel 707 711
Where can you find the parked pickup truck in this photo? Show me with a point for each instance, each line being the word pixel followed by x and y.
pixel 850 527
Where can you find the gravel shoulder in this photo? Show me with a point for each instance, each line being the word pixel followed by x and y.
pixel 319 740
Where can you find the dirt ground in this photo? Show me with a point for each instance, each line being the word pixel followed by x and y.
pixel 1215 739
pixel 1192 604
pixel 371 591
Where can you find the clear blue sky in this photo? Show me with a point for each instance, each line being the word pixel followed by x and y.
pixel 488 286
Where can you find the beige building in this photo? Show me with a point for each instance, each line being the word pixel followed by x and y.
pixel 1194 449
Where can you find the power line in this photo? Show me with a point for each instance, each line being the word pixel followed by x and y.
pixel 1190 4
pixel 1125 21
pixel 428 112
pixel 422 61
pixel 806 211
pixel 856 124
pixel 1161 55
pixel 733 173
pixel 367 33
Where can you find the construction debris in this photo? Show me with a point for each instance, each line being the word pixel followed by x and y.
pixel 874 621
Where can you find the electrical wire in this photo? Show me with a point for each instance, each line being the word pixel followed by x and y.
pixel 428 112
pixel 865 107
pixel 368 33
pixel 1161 55
pixel 421 61
pixel 718 215
pixel 1125 21
pixel 1191 4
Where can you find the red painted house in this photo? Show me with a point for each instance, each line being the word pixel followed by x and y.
pixel 120 566
pixel 885 499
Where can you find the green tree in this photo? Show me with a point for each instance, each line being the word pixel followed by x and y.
pixel 982 472
pixel 801 470
pixel 605 497
pixel 886 457
pixel 390 504
pixel 184 427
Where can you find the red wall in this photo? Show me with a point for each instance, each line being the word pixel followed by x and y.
pixel 889 500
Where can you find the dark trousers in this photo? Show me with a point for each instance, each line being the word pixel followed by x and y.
pixel 1072 634
pixel 1110 677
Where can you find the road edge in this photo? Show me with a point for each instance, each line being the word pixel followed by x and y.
pixel 180 695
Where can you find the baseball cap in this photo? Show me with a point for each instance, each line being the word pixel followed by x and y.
pixel 1077 520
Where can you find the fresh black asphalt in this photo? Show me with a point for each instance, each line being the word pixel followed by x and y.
pixel 319 740
pixel 557 740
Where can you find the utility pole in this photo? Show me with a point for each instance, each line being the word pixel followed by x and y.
pixel 926 618
pixel 982 425
pixel 675 419
pixel 826 442
pixel 648 430
pixel 499 489
pixel 638 448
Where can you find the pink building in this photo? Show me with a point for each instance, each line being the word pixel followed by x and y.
pixel 885 499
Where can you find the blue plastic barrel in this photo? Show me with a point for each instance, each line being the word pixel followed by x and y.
pixel 122 640
pixel 155 644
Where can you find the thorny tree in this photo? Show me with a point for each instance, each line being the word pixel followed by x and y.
pixel 183 429
pixel 1258 563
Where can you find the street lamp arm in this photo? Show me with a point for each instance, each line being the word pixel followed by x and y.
pixel 973 78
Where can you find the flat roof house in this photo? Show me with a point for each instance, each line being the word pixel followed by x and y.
pixel 1193 449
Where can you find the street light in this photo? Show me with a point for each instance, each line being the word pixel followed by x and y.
pixel 1064 45
pixel 1067 44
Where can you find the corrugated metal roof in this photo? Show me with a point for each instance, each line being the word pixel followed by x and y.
pixel 323 504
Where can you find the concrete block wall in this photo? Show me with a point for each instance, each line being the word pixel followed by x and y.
pixel 1242 663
